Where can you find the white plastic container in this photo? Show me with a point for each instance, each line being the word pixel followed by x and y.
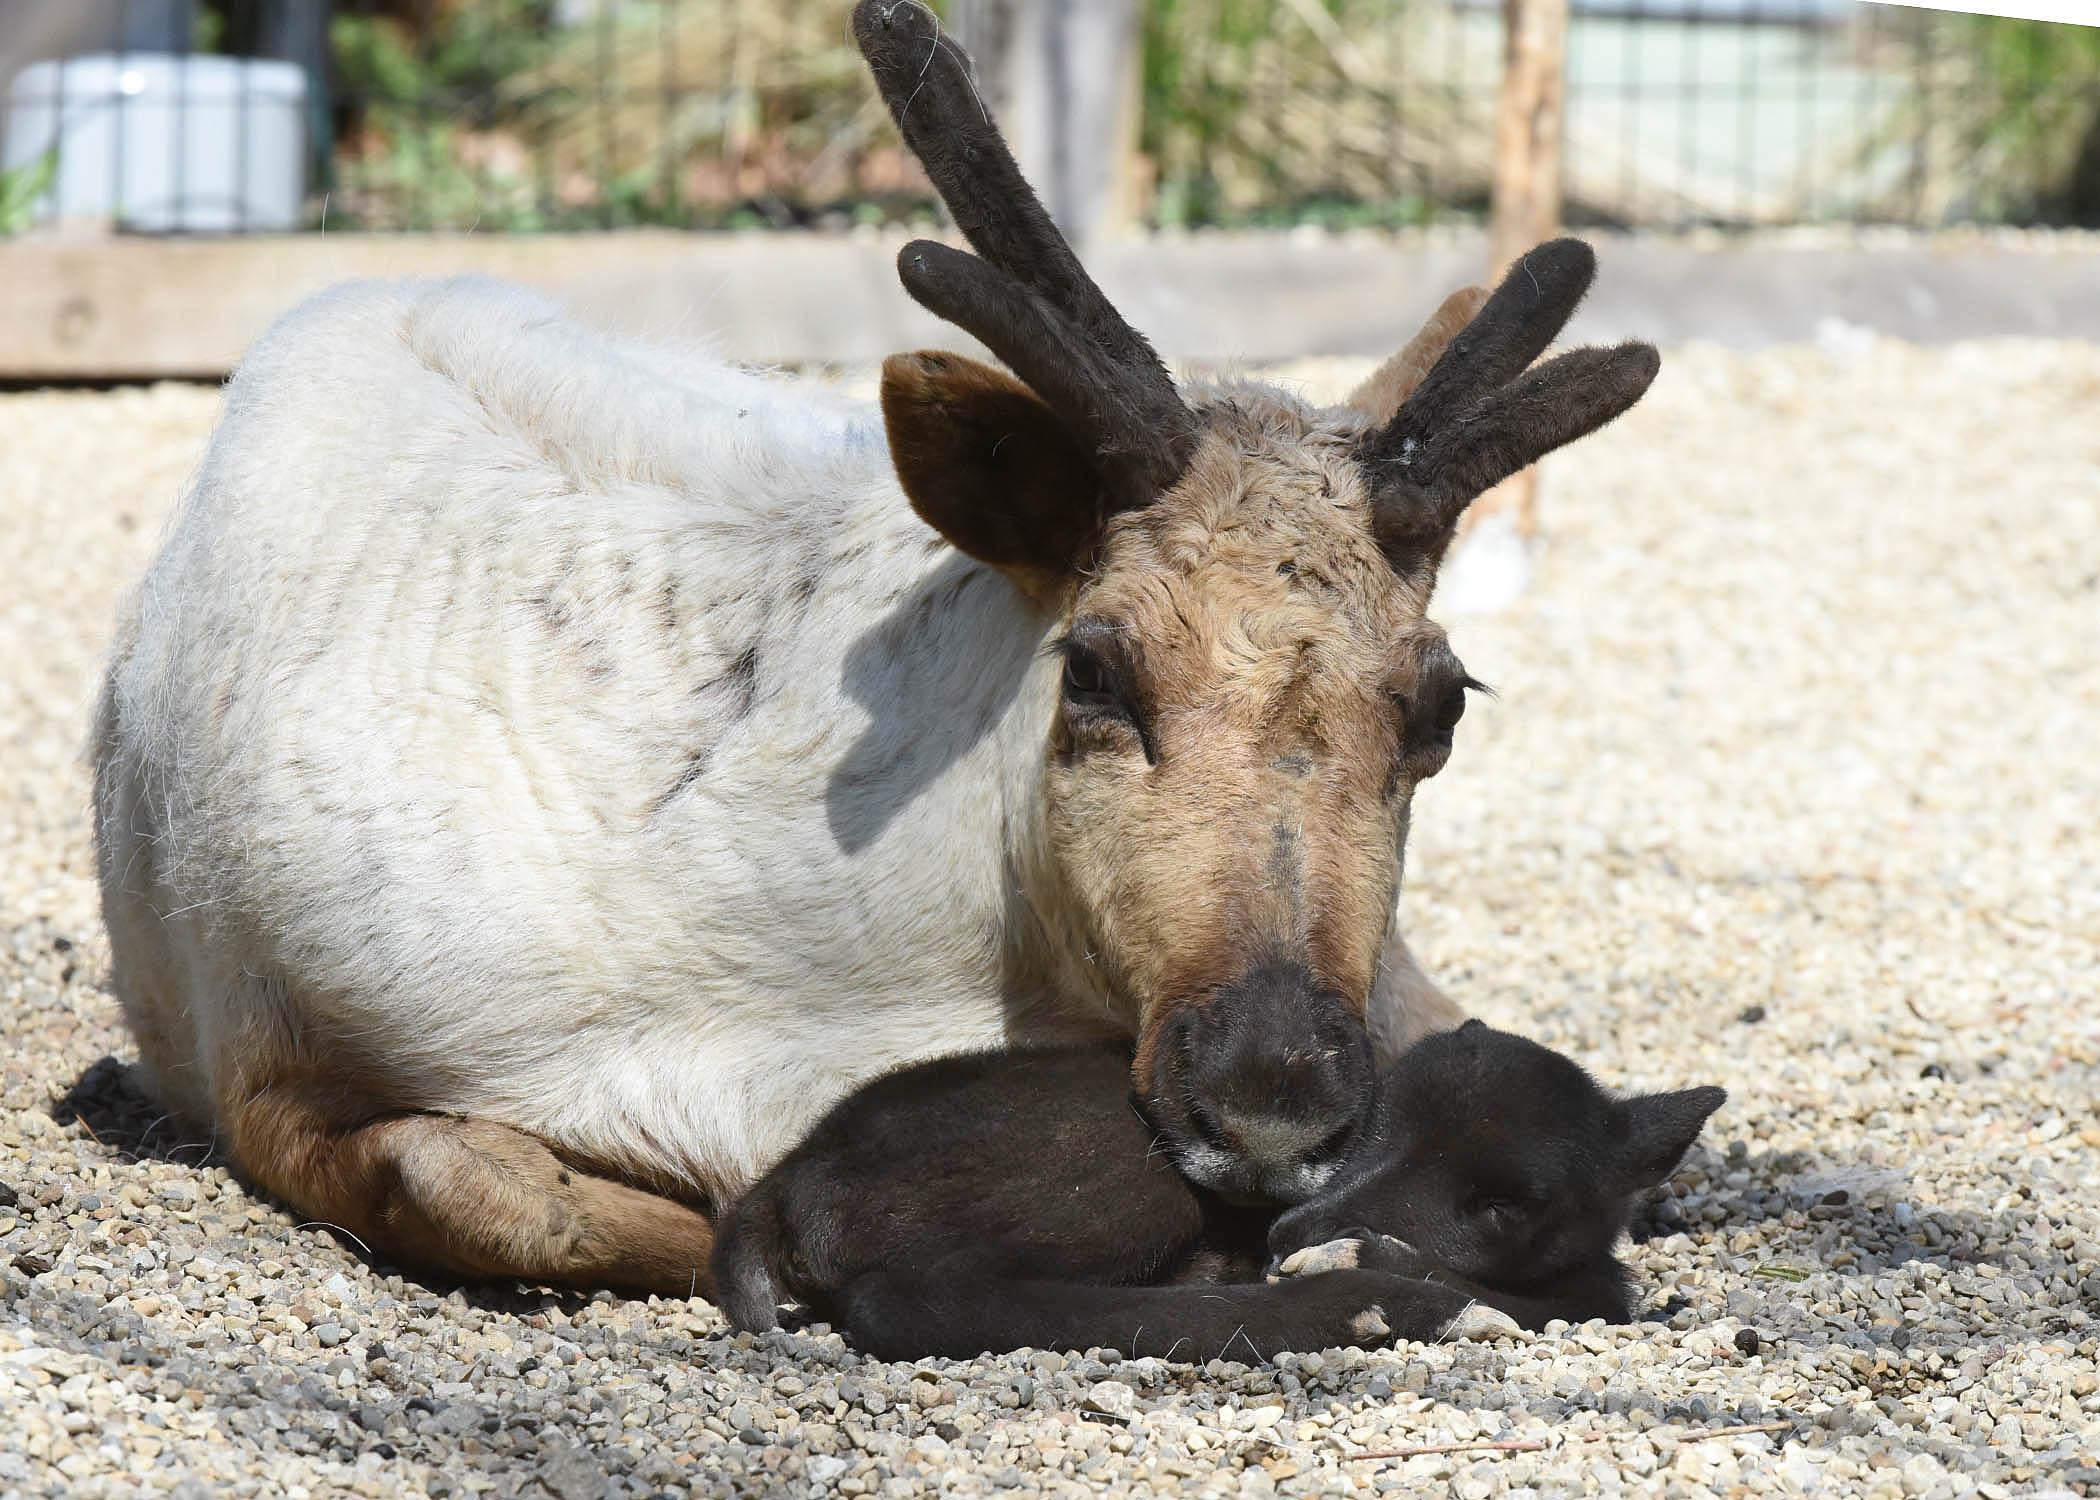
pixel 159 142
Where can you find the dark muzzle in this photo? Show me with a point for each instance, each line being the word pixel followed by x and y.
pixel 1261 1088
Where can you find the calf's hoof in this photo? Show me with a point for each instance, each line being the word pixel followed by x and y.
pixel 1478 1321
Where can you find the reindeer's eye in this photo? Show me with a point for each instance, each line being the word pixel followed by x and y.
pixel 1084 677
pixel 1431 717
pixel 1093 695
pixel 1452 708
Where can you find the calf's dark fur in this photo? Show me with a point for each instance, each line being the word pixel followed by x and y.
pixel 1006 1199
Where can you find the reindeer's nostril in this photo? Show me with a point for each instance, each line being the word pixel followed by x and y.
pixel 1283 1113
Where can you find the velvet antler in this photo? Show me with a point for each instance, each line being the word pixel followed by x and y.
pixel 1027 299
pixel 1481 413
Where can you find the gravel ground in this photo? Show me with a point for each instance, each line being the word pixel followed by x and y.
pixel 1791 787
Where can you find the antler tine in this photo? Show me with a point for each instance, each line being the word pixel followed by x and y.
pixel 924 78
pixel 1480 415
pixel 1512 428
pixel 1382 393
pixel 1547 408
pixel 1028 300
pixel 1533 303
pixel 1137 432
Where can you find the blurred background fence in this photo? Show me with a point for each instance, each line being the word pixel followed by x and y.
pixel 528 115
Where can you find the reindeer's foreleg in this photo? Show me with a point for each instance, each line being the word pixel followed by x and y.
pixel 471 1197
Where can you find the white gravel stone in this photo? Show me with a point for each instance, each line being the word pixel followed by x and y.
pixel 1791 787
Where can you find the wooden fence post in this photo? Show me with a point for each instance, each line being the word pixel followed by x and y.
pixel 1063 78
pixel 1528 124
pixel 1526 209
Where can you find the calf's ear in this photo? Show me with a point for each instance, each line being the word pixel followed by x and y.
pixel 986 464
pixel 1659 1129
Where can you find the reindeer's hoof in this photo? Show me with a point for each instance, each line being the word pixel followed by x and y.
pixel 1479 1321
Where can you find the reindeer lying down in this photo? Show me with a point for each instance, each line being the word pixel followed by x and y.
pixel 1016 1198
pixel 539 773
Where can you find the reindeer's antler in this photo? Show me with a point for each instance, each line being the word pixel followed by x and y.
pixel 1480 414
pixel 1028 299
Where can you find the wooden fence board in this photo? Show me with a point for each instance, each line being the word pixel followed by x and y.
pixel 145 308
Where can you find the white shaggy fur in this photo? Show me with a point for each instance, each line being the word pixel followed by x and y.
pixel 513 721
pixel 409 750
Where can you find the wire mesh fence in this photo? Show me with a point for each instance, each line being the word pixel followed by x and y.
pixel 1679 113
pixel 522 115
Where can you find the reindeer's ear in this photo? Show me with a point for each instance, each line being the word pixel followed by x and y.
pixel 1380 396
pixel 989 466
pixel 1659 1129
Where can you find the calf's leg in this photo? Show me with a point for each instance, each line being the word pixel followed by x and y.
pixel 1594 1290
pixel 957 1310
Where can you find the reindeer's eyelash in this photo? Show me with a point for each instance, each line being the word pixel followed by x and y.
pixel 1069 640
pixel 1468 684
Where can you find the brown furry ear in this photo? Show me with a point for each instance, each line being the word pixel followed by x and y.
pixel 1380 395
pixel 989 466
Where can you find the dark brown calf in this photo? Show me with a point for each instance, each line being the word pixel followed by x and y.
pixel 1018 1198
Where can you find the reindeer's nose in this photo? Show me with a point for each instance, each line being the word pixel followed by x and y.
pixel 1274 1074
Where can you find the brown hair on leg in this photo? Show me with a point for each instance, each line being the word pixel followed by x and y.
pixel 468 1196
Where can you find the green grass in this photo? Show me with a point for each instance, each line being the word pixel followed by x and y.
pixel 20 189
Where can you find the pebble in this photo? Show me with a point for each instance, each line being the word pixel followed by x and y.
pixel 1796 719
pixel 1111 1398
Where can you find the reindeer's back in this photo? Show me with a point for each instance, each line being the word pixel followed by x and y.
pixel 462 600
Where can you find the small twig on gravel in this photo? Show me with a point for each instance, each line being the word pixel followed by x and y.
pixel 1741 1431
pixel 1534 1445
pixel 81 1121
pixel 1501 1445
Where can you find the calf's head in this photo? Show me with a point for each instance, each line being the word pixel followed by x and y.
pixel 1500 1159
pixel 1235 583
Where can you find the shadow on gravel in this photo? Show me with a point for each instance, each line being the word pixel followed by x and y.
pixel 1852 1223
pixel 270 1407
pixel 108 1102
pixel 1826 1208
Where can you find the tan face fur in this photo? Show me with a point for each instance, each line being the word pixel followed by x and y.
pixel 1236 791
pixel 1247 669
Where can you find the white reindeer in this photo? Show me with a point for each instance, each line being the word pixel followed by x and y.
pixel 539 774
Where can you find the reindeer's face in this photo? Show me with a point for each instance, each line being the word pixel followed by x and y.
pixel 1250 690
pixel 1250 695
